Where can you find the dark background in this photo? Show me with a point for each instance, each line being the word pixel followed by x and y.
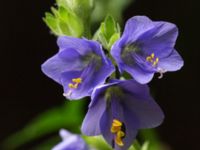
pixel 25 43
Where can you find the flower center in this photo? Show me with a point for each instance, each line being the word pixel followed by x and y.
pixel 113 91
pixel 75 83
pixel 116 129
pixel 152 59
pixel 127 53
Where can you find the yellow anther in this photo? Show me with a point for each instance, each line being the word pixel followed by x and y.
pixel 157 59
pixel 148 58
pixel 120 134
pixel 119 141
pixel 70 85
pixel 77 80
pixel 152 59
pixel 156 62
pixel 118 138
pixel 116 123
pixel 152 55
pixel 116 128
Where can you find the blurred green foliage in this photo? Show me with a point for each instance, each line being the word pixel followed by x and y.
pixel 150 136
pixel 113 7
pixel 69 116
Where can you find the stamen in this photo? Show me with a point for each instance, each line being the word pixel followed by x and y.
pixel 152 59
pixel 71 85
pixel 118 138
pixel 117 122
pixel 161 71
pixel 68 94
pixel 161 75
pixel 115 129
pixel 119 134
pixel 149 59
pixel 152 55
pixel 76 82
pixel 157 59
pixel 116 126
pixel 74 85
pixel 155 62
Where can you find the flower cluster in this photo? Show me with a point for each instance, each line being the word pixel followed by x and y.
pixel 118 108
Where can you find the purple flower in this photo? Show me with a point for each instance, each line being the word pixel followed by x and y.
pixel 70 142
pixel 147 47
pixel 118 110
pixel 79 66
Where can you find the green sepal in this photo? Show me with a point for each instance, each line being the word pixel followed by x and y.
pixel 82 9
pixel 113 7
pixel 77 6
pixel 113 39
pixel 108 32
pixel 63 21
pixel 52 23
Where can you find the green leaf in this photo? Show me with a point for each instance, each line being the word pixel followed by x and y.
pixel 67 116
